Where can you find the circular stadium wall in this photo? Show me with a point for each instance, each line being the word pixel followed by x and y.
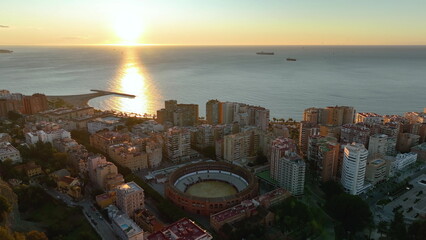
pixel 210 187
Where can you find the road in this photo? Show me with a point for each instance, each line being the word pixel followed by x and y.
pixel 93 216
pixel 380 191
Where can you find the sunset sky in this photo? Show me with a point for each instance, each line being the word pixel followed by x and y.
pixel 215 22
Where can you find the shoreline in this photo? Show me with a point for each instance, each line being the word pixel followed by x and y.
pixel 78 99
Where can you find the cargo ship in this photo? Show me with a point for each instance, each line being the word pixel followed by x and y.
pixel 291 59
pixel 265 53
pixel 5 51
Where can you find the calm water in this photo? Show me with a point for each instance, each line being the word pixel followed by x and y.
pixel 378 79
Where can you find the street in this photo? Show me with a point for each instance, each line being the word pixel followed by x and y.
pixel 93 216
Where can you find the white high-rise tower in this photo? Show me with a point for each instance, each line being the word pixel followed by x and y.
pixel 353 170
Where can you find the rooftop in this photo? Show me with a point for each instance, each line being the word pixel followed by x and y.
pixel 274 194
pixel 129 187
pixel 240 209
pixel 369 114
pixel 266 175
pixel 7 148
pixel 184 229
pixel 421 147
pixel 126 225
pixel 377 161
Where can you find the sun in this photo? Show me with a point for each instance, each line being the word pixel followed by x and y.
pixel 128 27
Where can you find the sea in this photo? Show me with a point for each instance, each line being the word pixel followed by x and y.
pixel 380 79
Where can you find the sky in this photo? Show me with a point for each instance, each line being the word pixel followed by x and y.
pixel 214 22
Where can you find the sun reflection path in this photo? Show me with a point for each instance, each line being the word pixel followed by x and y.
pixel 132 79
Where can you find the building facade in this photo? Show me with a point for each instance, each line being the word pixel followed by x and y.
pixel 130 197
pixel 353 169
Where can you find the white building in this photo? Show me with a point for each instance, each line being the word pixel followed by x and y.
pixel 103 123
pixel 123 226
pixel 353 169
pixel 130 197
pixel 402 160
pixel 46 136
pixel 149 126
pixel 7 151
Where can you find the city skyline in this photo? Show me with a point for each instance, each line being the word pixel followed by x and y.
pixel 331 22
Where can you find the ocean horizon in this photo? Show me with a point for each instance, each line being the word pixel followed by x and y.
pixel 381 79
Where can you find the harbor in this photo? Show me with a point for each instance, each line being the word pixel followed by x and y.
pixel 83 99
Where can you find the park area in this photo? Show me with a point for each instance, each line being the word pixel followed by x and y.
pixel 52 216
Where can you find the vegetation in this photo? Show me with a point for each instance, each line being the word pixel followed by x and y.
pixel 132 121
pixel 417 230
pixel 246 229
pixel 14 116
pixel 7 171
pixel 6 234
pixel 383 202
pixel 260 158
pixel 60 221
pixel 44 155
pixel 398 230
pixel 209 151
pixel 83 138
pixel 351 212
pixel 296 219
pixel 13 126
pixel 5 208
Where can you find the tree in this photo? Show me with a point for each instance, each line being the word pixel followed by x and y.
pixel 13 116
pixel 294 216
pixel 331 189
pixel 382 228
pixel 5 234
pixel 417 230
pixel 260 158
pixel 351 211
pixel 398 229
pixel 36 235
pixel 5 208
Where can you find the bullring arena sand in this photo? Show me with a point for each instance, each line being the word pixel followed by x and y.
pixel 211 189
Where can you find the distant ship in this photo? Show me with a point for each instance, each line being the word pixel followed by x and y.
pixel 265 53
pixel 291 59
pixel 5 51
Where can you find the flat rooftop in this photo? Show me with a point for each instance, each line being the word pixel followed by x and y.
pixel 240 209
pixel 184 229
pixel 377 161
pixel 129 187
pixel 421 147
pixel 127 226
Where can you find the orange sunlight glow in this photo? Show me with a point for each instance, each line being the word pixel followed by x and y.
pixel 128 27
pixel 133 79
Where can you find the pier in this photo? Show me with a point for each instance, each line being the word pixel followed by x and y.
pixel 115 93
pixel 83 99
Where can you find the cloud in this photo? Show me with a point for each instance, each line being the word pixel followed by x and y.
pixel 4 26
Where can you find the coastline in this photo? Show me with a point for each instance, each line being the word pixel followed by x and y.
pixel 78 99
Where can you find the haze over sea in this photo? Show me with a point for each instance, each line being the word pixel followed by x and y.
pixel 385 80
